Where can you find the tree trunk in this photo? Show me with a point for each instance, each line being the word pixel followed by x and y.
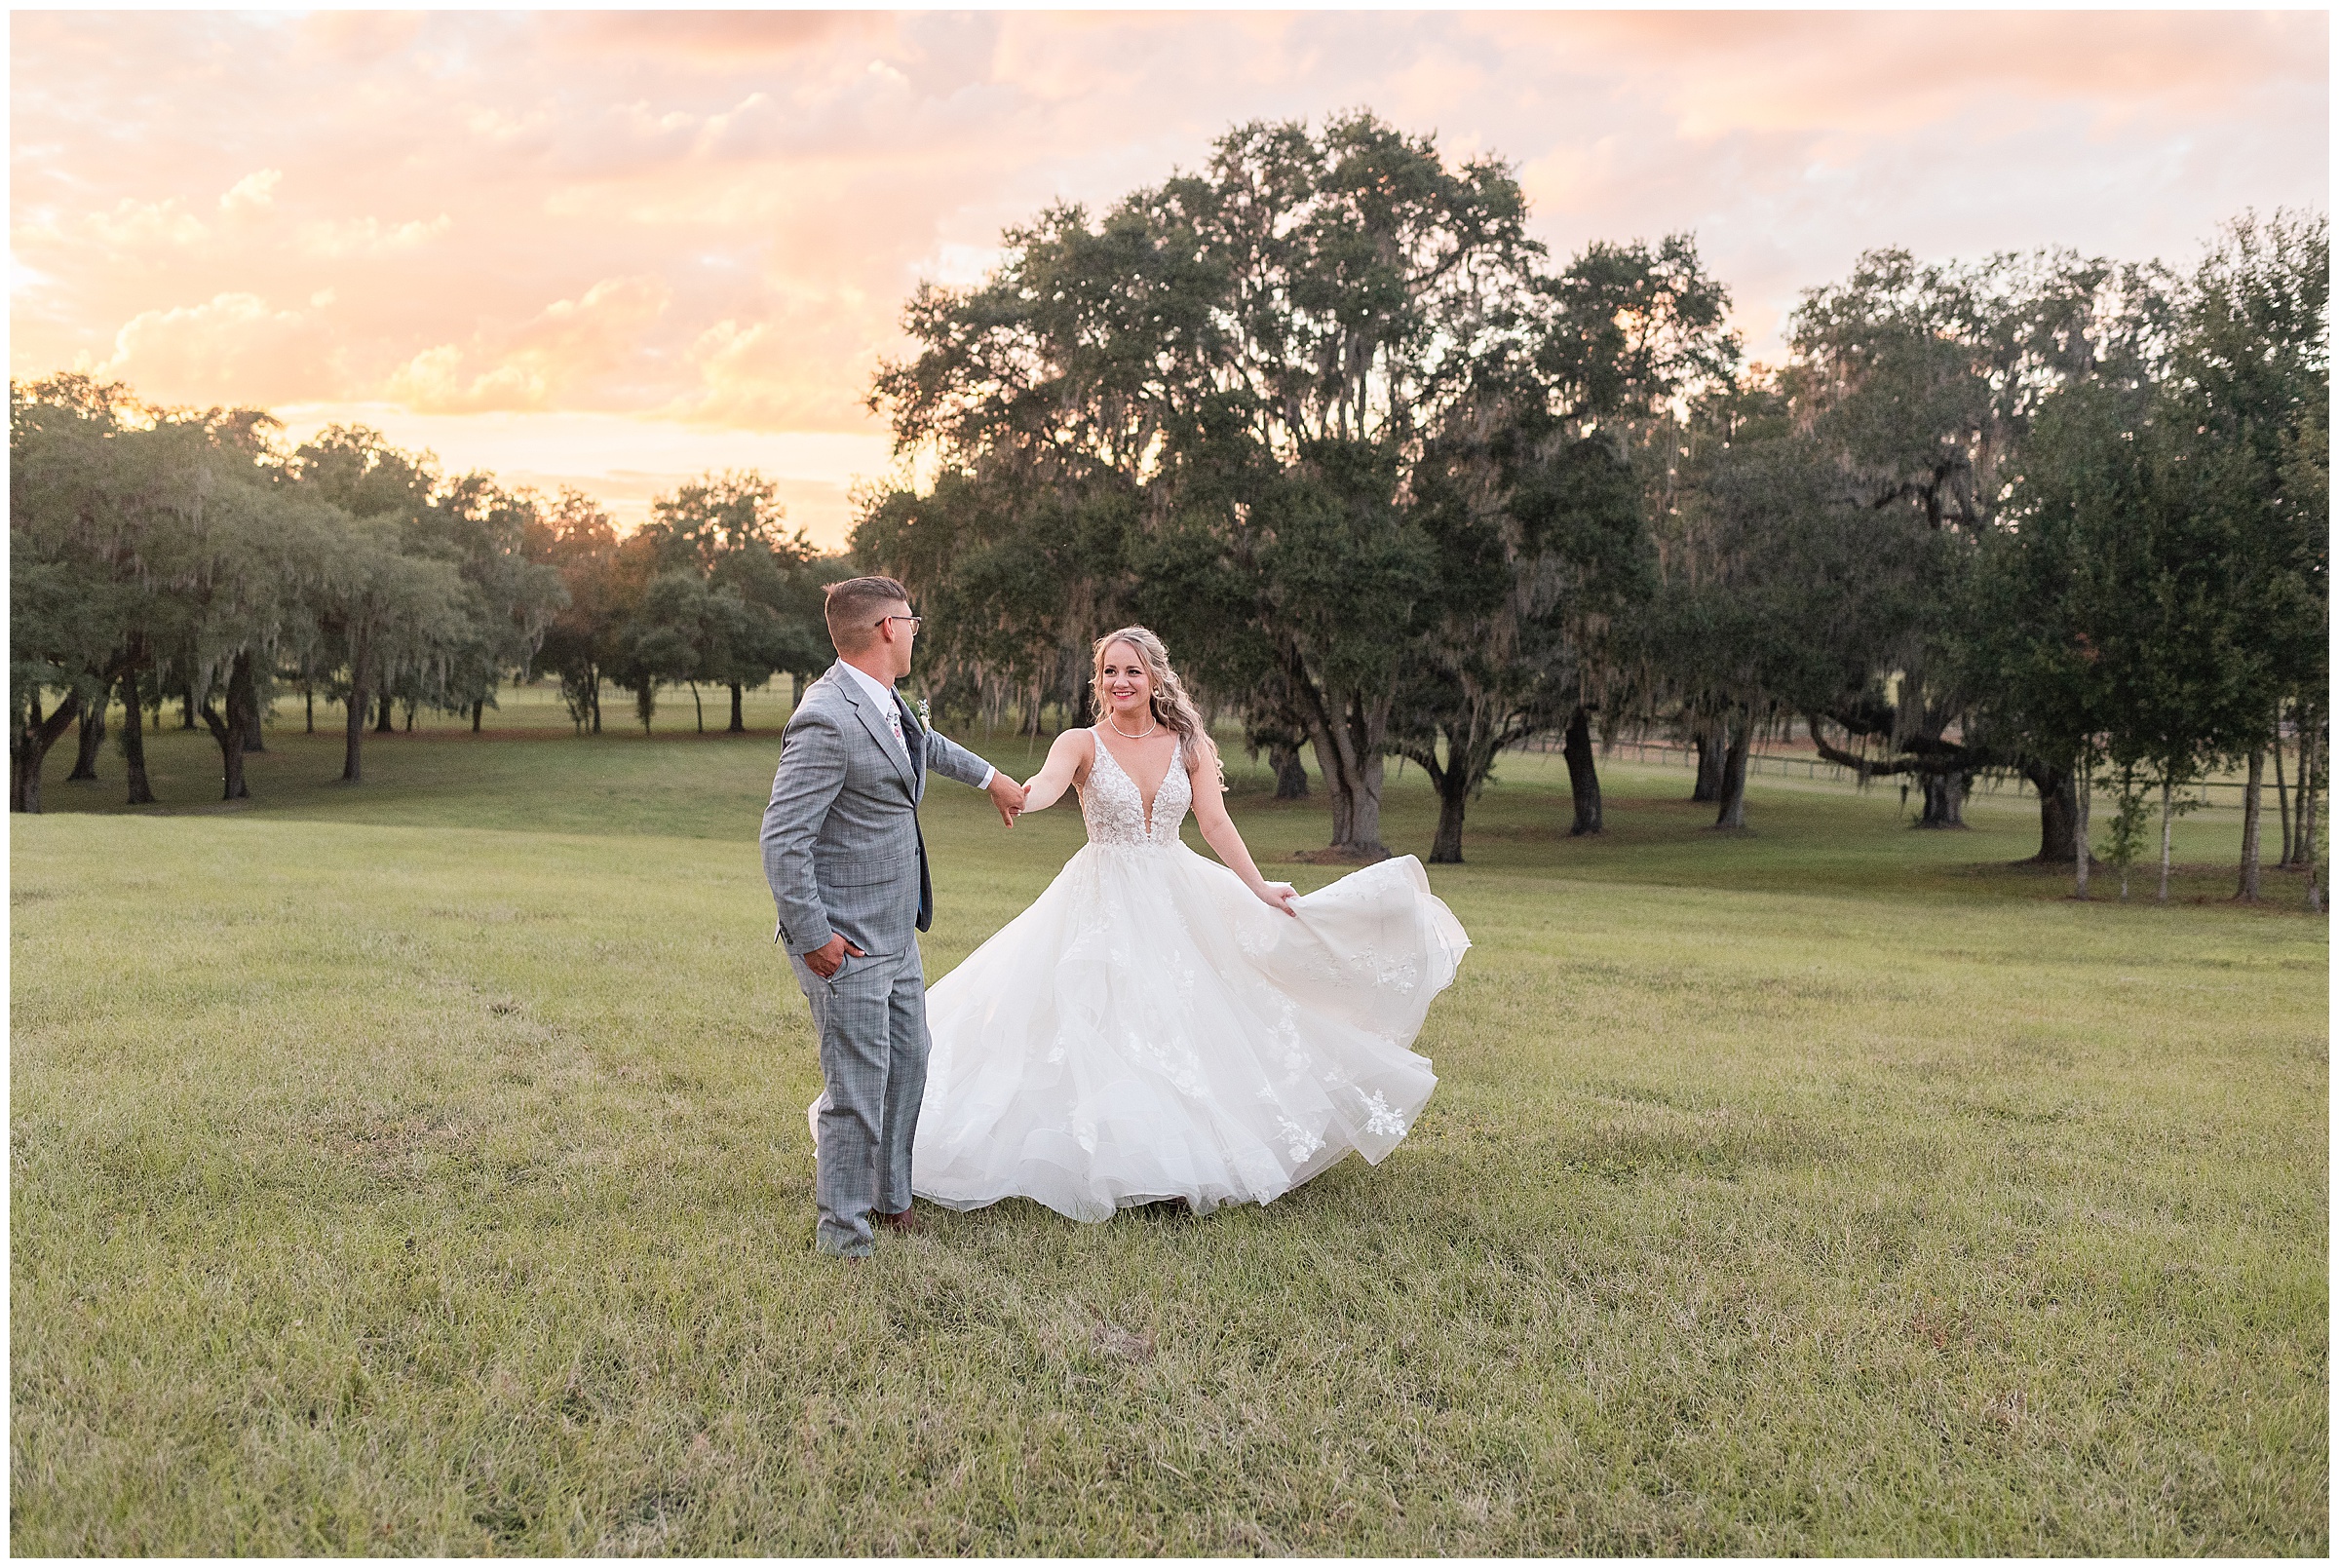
pixel 596 702
pixel 795 691
pixel 2311 769
pixel 2281 795
pixel 1583 776
pixel 2251 812
pixel 385 723
pixel 2059 813
pixel 186 706
pixel 1453 798
pixel 2082 800
pixel 354 741
pixel 479 711
pixel 738 712
pixel 1944 800
pixel 134 736
pixel 91 736
pixel 2309 779
pixel 1708 785
pixel 243 713
pixel 1348 753
pixel 1364 816
pixel 28 747
pixel 411 704
pixel 308 707
pixel 1732 789
pixel 1290 772
pixel 697 708
pixel 2168 816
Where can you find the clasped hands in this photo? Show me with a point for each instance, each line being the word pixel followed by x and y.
pixel 1007 795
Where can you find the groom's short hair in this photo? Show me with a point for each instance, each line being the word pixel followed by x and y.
pixel 853 606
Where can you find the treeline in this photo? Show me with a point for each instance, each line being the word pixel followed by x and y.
pixel 174 555
pixel 1392 484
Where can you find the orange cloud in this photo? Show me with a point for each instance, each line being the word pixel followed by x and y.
pixel 751 377
pixel 334 238
pixel 563 356
pixel 726 210
pixel 254 191
pixel 193 354
pixel 134 225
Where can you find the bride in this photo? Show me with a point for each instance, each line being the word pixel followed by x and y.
pixel 1159 1027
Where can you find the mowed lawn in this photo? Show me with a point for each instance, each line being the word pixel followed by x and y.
pixel 421 1168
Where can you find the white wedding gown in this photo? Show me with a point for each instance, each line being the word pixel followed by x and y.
pixel 1148 1029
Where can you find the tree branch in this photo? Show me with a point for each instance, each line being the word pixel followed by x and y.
pixel 1934 760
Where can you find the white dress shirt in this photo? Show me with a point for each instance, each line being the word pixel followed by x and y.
pixel 883 695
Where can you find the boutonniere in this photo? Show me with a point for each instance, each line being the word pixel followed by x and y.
pixel 925 715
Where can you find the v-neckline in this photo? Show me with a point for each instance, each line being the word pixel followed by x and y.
pixel 1144 804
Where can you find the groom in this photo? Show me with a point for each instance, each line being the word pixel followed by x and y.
pixel 847 863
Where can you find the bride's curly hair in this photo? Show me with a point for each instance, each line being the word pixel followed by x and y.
pixel 1172 706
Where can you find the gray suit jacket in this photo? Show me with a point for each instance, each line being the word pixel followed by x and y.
pixel 841 845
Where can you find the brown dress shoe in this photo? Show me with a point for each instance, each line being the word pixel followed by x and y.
pixel 905 1221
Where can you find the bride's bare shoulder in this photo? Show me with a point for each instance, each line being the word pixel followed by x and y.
pixel 1076 747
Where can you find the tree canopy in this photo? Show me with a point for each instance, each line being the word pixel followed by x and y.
pixel 175 552
pixel 1325 413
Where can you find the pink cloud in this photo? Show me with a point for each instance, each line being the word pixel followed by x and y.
pixel 711 219
pixel 715 39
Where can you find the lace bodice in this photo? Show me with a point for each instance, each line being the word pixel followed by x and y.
pixel 1116 813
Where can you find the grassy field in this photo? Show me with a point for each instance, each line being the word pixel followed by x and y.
pixel 422 1168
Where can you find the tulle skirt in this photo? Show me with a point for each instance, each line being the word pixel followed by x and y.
pixel 1148 1030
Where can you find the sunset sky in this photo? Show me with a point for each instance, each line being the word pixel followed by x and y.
pixel 617 248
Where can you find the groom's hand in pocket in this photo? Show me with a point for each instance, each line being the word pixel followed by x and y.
pixel 830 957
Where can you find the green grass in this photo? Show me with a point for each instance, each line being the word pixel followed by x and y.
pixel 422 1168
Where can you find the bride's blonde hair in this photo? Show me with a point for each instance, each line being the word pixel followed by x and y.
pixel 1172 707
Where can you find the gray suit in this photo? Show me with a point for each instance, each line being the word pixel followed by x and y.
pixel 844 855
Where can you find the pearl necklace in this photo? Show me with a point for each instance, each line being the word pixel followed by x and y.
pixel 1124 735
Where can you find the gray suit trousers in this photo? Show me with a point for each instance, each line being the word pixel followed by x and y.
pixel 871 1018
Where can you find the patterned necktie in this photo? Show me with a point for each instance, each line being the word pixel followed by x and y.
pixel 904 726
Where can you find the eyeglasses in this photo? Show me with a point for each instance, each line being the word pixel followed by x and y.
pixel 916 621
